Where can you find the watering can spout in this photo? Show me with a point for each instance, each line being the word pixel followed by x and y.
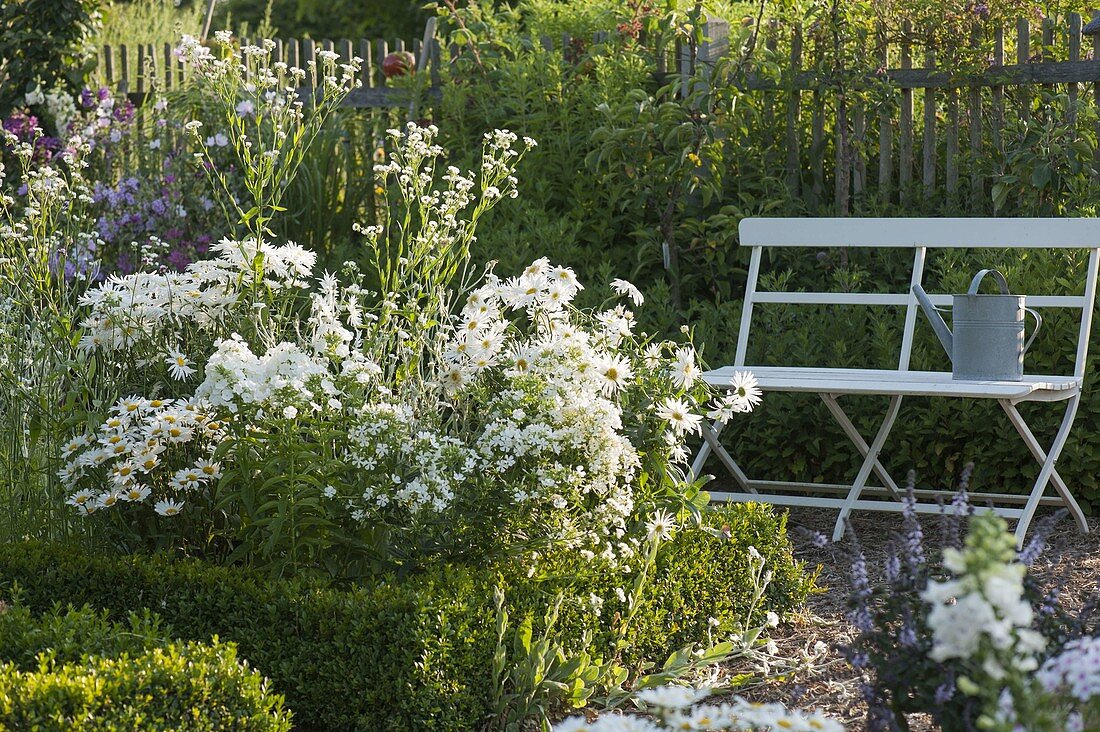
pixel 938 325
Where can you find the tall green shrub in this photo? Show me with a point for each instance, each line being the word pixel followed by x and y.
pixel 44 40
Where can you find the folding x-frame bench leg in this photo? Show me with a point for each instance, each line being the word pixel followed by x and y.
pixel 1047 473
pixel 711 444
pixel 857 439
pixel 869 462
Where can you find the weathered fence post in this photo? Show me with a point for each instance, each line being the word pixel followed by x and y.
pixel 905 122
pixel 1093 29
pixel 794 105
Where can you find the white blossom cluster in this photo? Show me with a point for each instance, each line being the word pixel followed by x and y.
pixel 985 602
pixel 60 105
pixel 677 708
pixel 127 455
pixel 403 464
pixel 265 86
pixel 283 377
pixel 124 309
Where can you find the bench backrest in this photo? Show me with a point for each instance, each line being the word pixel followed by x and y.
pixel 918 235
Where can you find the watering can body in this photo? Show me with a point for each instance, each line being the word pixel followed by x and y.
pixel 988 341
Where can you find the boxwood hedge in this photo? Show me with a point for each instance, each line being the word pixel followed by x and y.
pixel 412 654
pixel 76 671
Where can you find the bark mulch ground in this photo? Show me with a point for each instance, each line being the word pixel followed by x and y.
pixel 1071 561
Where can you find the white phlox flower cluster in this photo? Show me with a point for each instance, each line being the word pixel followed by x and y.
pixel 405 465
pixel 677 708
pixel 284 376
pixel 126 457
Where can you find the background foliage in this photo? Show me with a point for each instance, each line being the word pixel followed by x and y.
pixel 623 167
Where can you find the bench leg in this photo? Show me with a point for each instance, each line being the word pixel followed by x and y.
pixel 857 439
pixel 868 465
pixel 1047 473
pixel 712 444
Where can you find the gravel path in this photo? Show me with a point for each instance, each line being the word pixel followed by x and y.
pixel 1072 560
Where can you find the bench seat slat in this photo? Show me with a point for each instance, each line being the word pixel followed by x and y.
pixel 891 382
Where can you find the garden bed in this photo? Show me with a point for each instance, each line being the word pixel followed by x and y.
pixel 1071 561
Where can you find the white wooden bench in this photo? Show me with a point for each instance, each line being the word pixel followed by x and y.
pixel 831 384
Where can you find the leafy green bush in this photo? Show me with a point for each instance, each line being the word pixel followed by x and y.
pixel 43 41
pixel 78 671
pixel 415 653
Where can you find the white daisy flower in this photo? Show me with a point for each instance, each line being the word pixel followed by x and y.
pixel 661 526
pixel 136 492
pixel 629 290
pixel 679 416
pixel 179 366
pixel 168 507
pixel 672 697
pixel 685 372
pixel 614 372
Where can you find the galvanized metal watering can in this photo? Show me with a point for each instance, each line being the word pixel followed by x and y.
pixel 988 342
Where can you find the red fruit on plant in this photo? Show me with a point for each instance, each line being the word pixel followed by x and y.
pixel 398 63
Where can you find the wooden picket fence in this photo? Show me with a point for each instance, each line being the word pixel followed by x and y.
pixel 915 139
pixel 833 144
pixel 141 70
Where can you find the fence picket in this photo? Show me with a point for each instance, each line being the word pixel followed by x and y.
pixel 1048 42
pixel 1023 56
pixel 168 75
pixel 974 126
pixel 1074 56
pixel 771 42
pixel 905 122
pixel 108 66
pixel 928 176
pixel 885 128
pixel 366 73
pixel 294 53
pixel 794 104
pixel 817 133
pixel 1096 85
pixel 998 92
pixel 951 161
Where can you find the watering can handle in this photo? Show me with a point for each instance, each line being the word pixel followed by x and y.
pixel 1038 326
pixel 977 281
